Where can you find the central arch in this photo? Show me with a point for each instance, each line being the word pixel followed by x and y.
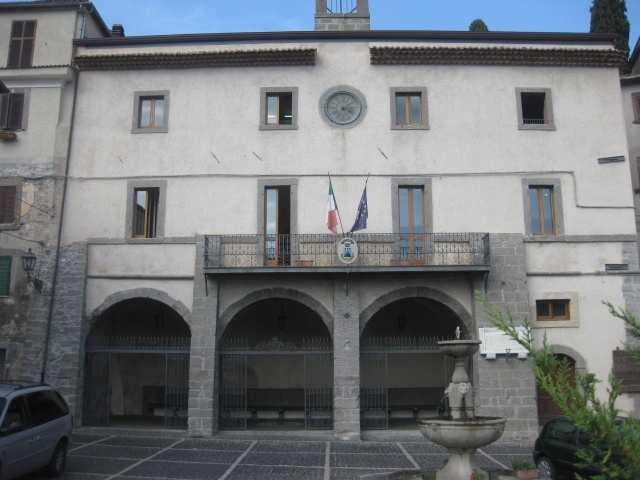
pixel 403 373
pixel 276 366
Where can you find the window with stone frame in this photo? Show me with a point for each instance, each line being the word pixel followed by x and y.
pixel 151 112
pixel 5 276
pixel 12 111
pixel 279 108
pixel 409 110
pixel 22 44
pixel 553 310
pixel 535 109
pixel 542 210
pixel 8 204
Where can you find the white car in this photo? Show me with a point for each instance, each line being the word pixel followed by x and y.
pixel 35 430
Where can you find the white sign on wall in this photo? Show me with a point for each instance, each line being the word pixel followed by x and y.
pixel 495 342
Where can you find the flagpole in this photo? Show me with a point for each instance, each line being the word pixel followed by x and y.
pixel 336 202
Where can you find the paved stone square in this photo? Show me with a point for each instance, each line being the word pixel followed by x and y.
pixel 106 457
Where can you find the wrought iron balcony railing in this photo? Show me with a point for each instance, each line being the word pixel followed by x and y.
pixel 371 250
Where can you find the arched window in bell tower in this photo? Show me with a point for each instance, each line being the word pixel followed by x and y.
pixel 342 15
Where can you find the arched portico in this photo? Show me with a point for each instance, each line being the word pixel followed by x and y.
pixel 403 374
pixel 276 363
pixel 136 369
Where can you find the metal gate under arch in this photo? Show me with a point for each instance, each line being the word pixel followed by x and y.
pixel 159 400
pixel 249 402
pixel 382 396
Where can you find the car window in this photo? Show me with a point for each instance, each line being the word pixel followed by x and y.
pixel 562 430
pixel 3 402
pixel 16 419
pixel 45 406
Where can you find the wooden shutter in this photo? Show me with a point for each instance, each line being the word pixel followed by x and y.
pixel 8 204
pixel 15 111
pixel 5 100
pixel 5 276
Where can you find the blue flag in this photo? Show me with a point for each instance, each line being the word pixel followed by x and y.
pixel 363 213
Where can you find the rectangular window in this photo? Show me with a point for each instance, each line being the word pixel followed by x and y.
pixel 3 363
pixel 411 216
pixel 21 46
pixel 635 98
pixel 151 113
pixel 409 108
pixel 535 109
pixel 553 310
pixel 8 199
pixel 12 111
pixel 145 212
pixel 542 210
pixel 5 276
pixel 277 225
pixel 279 108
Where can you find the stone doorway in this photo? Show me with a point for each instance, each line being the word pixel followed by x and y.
pixel 403 374
pixel 137 367
pixel 276 369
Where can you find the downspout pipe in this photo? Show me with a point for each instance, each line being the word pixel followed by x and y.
pixel 56 266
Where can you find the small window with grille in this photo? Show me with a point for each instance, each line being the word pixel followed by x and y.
pixel 8 205
pixel 535 109
pixel 5 276
pixel 12 111
pixel 553 310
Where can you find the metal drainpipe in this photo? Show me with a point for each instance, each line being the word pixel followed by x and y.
pixel 56 266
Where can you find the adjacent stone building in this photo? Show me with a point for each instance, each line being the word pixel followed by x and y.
pixel 199 286
pixel 37 96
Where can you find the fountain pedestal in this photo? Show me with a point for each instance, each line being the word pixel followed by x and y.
pixel 463 433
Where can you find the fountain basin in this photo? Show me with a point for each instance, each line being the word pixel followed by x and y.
pixel 463 434
pixel 459 348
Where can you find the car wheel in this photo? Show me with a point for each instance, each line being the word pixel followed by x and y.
pixel 58 461
pixel 546 469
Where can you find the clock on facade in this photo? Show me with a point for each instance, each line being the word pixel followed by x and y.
pixel 343 106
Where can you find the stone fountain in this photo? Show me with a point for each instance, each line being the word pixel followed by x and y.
pixel 462 432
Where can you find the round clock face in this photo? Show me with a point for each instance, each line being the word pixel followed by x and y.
pixel 343 108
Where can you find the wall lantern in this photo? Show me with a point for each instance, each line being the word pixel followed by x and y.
pixel 29 261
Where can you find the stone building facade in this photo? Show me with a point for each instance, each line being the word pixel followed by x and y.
pixel 38 77
pixel 200 288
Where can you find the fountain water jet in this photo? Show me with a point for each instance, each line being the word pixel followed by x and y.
pixel 463 432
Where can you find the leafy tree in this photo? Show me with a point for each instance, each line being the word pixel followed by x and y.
pixel 478 25
pixel 610 16
pixel 614 447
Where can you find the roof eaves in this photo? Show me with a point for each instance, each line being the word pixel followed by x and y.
pixel 369 35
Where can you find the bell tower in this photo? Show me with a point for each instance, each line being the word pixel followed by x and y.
pixel 342 15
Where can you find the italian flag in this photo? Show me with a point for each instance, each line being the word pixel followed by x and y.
pixel 332 211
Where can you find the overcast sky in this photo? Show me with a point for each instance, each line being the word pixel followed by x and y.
pixel 144 17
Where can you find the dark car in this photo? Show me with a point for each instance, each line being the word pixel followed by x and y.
pixel 556 450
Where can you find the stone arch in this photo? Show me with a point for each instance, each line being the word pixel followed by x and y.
pixel 271 293
pixel 147 293
pixel 418 292
pixel 581 364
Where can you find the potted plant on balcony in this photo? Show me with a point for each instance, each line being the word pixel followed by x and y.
pixel 525 470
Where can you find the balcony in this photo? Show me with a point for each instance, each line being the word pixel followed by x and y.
pixel 372 252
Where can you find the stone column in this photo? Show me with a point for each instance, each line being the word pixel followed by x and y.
pixel 346 360
pixel 202 389
pixel 64 359
pixel 506 386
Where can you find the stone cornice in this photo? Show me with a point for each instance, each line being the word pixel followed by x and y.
pixel 225 58
pixel 553 57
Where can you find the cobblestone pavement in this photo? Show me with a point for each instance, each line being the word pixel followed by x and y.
pixel 103 457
